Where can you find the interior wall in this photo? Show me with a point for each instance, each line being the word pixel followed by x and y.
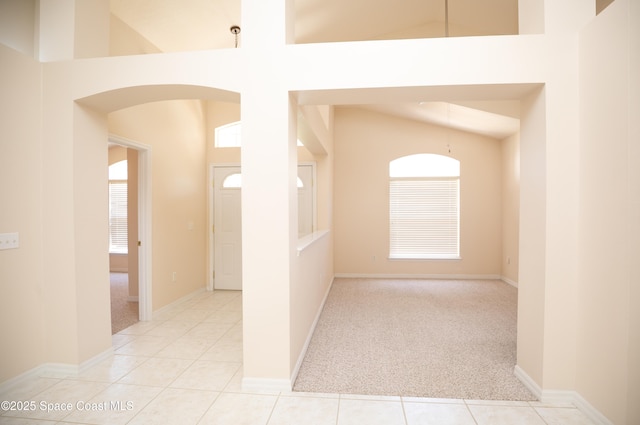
pixel 633 409
pixel 176 132
pixel 365 143
pixel 91 265
pixel 607 365
pixel 21 272
pixel 17 25
pixel 510 207
pixel 123 40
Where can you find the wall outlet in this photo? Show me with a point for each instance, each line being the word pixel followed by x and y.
pixel 9 240
pixel 173 276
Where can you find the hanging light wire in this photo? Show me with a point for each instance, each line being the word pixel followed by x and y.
pixel 235 30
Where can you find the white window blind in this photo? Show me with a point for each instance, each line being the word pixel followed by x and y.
pixel 424 203
pixel 118 217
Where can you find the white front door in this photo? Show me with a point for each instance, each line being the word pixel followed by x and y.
pixel 227 228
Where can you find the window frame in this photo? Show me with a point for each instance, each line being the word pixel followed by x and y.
pixel 403 243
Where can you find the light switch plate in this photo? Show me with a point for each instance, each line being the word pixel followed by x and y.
pixel 9 241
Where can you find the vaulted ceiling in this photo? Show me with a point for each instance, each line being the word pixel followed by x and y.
pixel 181 25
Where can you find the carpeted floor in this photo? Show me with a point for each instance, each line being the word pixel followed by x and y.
pixel 416 338
pixel 124 313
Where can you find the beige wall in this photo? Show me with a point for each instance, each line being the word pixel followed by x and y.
pixel 17 25
pixel 510 207
pixel 608 324
pixel 365 142
pixel 21 274
pixel 175 130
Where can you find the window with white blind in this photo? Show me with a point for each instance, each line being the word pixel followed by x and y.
pixel 424 207
pixel 118 231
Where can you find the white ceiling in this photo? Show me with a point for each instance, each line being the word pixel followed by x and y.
pixel 181 25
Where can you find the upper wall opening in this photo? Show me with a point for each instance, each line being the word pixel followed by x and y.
pixel 336 20
pixel 146 26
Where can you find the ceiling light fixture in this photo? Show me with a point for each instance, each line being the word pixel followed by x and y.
pixel 235 30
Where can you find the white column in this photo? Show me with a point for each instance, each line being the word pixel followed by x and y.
pixel 269 205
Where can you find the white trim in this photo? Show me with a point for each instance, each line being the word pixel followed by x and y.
pixel 562 397
pixel 54 370
pixel 305 347
pixel 528 382
pixel 509 281
pixel 210 221
pixel 266 384
pixel 308 240
pixel 179 301
pixel 419 276
pixel 145 233
pixel 591 412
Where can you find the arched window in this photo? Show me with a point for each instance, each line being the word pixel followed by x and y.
pixel 232 181
pixel 118 229
pixel 424 207
pixel 230 135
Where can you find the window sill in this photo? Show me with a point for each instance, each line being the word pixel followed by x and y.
pixel 308 240
pixel 424 257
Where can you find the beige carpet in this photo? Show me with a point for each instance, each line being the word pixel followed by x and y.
pixel 418 338
pixel 124 313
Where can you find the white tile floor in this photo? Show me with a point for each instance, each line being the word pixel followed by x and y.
pixel 185 367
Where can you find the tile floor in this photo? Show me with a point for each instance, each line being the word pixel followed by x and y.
pixel 185 367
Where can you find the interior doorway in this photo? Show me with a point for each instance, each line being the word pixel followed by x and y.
pixel 130 249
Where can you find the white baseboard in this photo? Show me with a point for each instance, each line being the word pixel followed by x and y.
pixel 419 276
pixel 54 370
pixel 528 382
pixel 509 281
pixel 562 397
pixel 303 352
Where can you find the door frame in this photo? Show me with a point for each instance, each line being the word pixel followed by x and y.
pixel 145 307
